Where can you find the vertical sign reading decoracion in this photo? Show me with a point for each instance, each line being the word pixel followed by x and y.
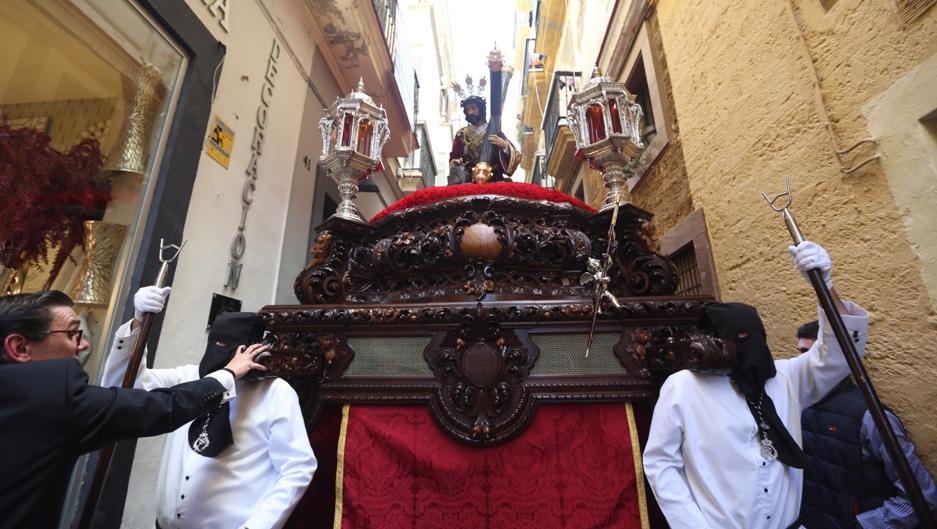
pixel 239 243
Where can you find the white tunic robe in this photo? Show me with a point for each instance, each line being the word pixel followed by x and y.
pixel 703 458
pixel 256 482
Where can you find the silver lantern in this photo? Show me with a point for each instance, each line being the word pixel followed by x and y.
pixel 604 120
pixel 354 131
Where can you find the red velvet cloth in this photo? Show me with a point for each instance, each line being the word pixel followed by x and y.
pixel 430 195
pixel 573 467
pixel 316 508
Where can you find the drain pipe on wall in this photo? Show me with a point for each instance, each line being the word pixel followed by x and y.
pixel 821 107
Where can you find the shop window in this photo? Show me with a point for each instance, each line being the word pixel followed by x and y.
pixel 97 80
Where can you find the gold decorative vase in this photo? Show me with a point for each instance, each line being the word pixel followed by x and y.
pixel 92 283
pixel 11 280
pixel 130 153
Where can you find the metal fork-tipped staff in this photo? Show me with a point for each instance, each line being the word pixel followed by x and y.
pixel 598 273
pixel 828 302
pixel 107 453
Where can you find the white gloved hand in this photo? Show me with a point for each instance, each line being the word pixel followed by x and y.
pixel 809 255
pixel 149 299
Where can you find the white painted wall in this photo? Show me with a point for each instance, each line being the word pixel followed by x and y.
pixel 430 49
pixel 580 44
pixel 275 223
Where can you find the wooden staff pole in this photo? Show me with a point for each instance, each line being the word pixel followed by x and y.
pixel 106 454
pixel 859 374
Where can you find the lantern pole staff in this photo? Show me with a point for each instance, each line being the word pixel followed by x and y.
pixel 136 357
pixel 828 303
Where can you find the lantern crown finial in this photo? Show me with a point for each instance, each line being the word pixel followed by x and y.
pixel 359 93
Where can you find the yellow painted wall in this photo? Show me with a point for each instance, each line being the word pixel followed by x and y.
pixel 665 190
pixel 749 111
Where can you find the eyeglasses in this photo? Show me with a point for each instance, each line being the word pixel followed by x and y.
pixel 74 335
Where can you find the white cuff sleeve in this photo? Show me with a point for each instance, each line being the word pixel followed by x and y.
pixel 227 380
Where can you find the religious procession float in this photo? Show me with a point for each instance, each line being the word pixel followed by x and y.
pixel 485 354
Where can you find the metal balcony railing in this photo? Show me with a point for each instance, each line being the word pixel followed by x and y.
pixel 532 62
pixel 562 87
pixel 427 164
pixel 387 16
pixel 421 159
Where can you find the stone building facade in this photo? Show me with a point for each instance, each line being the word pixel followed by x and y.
pixel 749 93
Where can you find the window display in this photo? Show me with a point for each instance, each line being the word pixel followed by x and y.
pixel 87 89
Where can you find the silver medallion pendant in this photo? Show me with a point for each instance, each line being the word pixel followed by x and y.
pixel 768 451
pixel 202 442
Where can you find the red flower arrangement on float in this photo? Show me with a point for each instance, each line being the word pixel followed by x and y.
pixel 45 196
pixel 431 195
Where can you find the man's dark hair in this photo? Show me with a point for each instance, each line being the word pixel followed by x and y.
pixel 29 315
pixel 479 102
pixel 809 330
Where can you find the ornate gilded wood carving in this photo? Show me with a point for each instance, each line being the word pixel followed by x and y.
pixel 475 277
pixel 472 247
pixel 481 369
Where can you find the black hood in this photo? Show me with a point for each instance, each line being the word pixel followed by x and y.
pixel 230 329
pixel 754 363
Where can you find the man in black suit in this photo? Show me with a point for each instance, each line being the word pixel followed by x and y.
pixel 49 414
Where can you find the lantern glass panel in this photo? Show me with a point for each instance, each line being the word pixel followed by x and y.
pixel 595 121
pixel 347 123
pixel 365 136
pixel 615 113
pixel 333 137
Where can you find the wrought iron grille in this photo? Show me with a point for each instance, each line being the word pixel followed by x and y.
pixel 688 277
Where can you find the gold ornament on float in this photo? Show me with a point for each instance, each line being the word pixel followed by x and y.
pixel 92 283
pixel 130 153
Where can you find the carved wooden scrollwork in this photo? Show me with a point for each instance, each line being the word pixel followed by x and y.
pixel 323 279
pixel 506 312
pixel 481 398
pixel 668 348
pixel 641 270
pixel 478 363
pixel 316 356
pixel 475 277
pixel 471 247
